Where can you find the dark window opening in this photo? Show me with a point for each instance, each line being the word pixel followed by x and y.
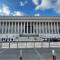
pixel 52 40
pixel 11 39
pixel 32 27
pixel 28 27
pixel 59 30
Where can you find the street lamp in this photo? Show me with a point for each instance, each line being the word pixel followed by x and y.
pixel 20 57
pixel 53 54
pixel 20 54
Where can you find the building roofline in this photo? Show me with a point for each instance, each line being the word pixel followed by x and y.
pixel 29 17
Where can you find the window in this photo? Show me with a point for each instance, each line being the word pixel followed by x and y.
pixel 19 27
pixel 4 27
pixel 7 27
pixel 22 27
pixel 32 27
pixel 13 27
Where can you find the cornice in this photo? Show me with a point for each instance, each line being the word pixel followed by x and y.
pixel 29 17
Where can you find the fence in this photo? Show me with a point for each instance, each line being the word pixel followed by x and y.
pixel 29 44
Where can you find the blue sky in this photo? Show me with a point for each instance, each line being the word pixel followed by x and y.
pixel 29 7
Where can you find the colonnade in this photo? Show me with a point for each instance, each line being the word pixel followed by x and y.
pixel 29 27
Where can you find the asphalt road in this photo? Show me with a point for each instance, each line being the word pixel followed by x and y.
pixel 29 54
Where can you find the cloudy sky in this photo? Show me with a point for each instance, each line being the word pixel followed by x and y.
pixel 29 7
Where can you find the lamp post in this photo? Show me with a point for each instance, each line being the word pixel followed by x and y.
pixel 20 57
pixel 20 54
pixel 53 56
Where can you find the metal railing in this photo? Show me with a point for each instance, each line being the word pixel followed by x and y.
pixel 29 44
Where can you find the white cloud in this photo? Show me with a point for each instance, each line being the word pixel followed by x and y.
pixel 37 14
pixel 35 2
pixel 23 3
pixel 45 4
pixel 4 10
pixel 57 7
pixel 17 13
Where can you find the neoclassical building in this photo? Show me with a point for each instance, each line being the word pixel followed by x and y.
pixel 23 28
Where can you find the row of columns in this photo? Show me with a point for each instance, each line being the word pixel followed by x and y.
pixel 30 27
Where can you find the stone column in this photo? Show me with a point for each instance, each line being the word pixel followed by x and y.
pixel 2 27
pixel 27 27
pixel 57 28
pixel 18 27
pixel 21 27
pixel 12 27
pixel 6 28
pixel 15 27
pixel 24 27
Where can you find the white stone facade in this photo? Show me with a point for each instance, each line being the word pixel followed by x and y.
pixel 28 29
